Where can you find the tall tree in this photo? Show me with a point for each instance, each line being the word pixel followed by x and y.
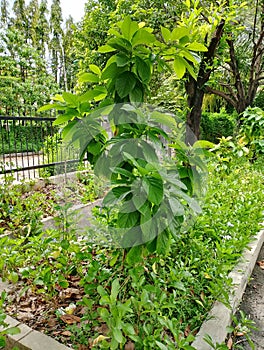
pixel 4 13
pixel 242 73
pixel 56 40
pixel 33 19
pixel 70 66
pixel 27 83
pixel 20 19
pixel 42 30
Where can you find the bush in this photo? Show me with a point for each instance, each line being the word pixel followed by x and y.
pixel 216 125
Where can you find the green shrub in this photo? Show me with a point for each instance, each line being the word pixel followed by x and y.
pixel 216 125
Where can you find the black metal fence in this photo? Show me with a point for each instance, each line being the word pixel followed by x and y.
pixel 30 147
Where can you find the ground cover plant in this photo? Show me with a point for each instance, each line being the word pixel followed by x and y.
pixel 88 296
pixel 24 205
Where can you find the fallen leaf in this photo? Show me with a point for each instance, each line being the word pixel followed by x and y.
pixel 130 346
pixel 99 339
pixel 261 264
pixel 66 333
pixel 70 319
pixel 240 334
pixel 229 343
pixel 187 331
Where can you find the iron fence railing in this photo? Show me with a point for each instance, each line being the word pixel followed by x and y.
pixel 30 147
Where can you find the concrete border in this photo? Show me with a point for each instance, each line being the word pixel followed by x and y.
pixel 219 318
pixel 28 339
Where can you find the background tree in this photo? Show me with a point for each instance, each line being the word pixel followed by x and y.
pixel 56 34
pixel 241 72
pixel 4 13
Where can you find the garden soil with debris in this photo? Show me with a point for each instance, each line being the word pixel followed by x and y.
pixel 253 304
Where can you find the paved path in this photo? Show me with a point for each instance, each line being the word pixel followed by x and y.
pixel 253 304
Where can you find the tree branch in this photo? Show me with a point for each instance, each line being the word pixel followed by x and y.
pixel 222 94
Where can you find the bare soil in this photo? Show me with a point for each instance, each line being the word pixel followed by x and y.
pixel 253 304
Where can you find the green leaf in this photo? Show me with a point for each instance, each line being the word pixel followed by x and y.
pixel 176 207
pixel 143 70
pixel 161 346
pixel 163 242
pixel 95 69
pixel 125 83
pixel 88 78
pixel 63 283
pixel 179 66
pixel 143 37
pixel 12 330
pixel 13 277
pixel 134 255
pixel 63 118
pixel 128 329
pixel 136 95
pixel 196 47
pixel 179 285
pixel 122 59
pixel 128 28
pixel 115 290
pixel 117 334
pixel 51 106
pixel 155 189
pixel 110 71
pixel 190 70
pixel 164 119
pixel 127 220
pixel 203 144
pixel 65 244
pixel 106 49
pixel 166 34
pixel 120 44
pixel 58 98
pixel 179 33
pixel 71 99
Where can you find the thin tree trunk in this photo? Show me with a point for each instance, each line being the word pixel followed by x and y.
pixel 195 89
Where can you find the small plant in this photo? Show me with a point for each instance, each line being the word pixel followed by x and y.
pixel 6 331
pixel 252 131
pixel 241 330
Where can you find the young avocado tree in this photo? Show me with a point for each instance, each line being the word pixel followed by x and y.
pixel 150 194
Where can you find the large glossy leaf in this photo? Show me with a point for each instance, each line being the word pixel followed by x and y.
pixel 110 71
pixel 71 99
pixel 155 189
pixel 63 118
pixel 122 60
pixel 128 28
pixel 52 106
pixel 125 83
pixel 88 78
pixel 136 95
pixel 196 47
pixel 143 69
pixel 127 220
pixel 106 49
pixel 179 33
pixel 179 66
pixel 143 37
pixel 120 44
pixel 95 69
pixel 166 34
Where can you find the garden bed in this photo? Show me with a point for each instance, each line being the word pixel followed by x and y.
pixel 142 299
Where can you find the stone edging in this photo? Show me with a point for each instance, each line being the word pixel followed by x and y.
pixel 220 316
